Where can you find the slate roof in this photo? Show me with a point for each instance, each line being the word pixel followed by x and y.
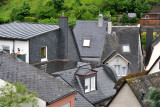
pixel 97 34
pixel 47 87
pixel 23 30
pixel 141 85
pixel 155 9
pixel 106 79
pixel 56 65
pixel 123 36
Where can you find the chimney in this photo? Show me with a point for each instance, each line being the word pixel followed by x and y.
pixel 63 38
pixel 149 38
pixel 100 20
pixel 109 27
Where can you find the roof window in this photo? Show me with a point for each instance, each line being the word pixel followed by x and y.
pixel 86 42
pixel 126 48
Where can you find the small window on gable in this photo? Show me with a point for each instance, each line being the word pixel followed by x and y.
pixel 147 16
pixel 126 48
pixel 86 42
pixel 44 53
pixel 90 84
pixel 6 48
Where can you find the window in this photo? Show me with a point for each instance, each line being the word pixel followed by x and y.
pixel 66 105
pixel 147 16
pixel 6 48
pixel 86 42
pixel 90 84
pixel 43 53
pixel 120 70
pixel 126 48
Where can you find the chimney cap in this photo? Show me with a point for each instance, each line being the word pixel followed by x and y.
pixel 101 15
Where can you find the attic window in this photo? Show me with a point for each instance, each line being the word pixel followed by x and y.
pixel 86 42
pixel 147 16
pixel 126 48
pixel 90 84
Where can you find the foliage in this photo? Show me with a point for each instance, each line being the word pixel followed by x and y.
pixel 153 97
pixel 4 20
pixel 124 19
pixel 58 4
pixel 30 19
pixel 20 13
pixel 15 94
pixel 49 21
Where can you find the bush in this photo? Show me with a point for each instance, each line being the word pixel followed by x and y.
pixel 49 21
pixel 124 19
pixel 4 20
pixel 30 19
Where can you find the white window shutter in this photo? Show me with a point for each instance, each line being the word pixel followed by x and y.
pixel 93 83
pixel 87 85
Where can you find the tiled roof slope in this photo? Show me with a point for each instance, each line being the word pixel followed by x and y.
pixel 141 85
pixel 48 87
pixel 56 65
pixel 105 83
pixel 90 29
pixel 22 30
pixel 124 36
pixel 155 9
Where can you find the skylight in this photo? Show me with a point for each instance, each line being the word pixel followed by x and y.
pixel 126 48
pixel 86 42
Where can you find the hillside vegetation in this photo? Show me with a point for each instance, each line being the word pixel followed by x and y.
pixel 48 11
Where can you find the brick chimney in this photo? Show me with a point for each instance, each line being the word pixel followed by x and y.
pixel 149 38
pixel 63 38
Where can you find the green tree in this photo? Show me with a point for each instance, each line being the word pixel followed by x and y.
pixel 15 94
pixel 58 4
pixel 124 19
pixel 153 97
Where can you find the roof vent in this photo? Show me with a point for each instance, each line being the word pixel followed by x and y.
pixel 100 20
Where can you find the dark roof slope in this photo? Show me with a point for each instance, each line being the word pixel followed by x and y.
pixel 140 85
pixel 22 30
pixel 97 34
pixel 155 9
pixel 124 36
pixel 56 65
pixel 105 83
pixel 48 87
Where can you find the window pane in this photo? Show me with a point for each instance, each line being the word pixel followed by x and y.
pixel 86 42
pixel 87 85
pixel 117 69
pixel 124 71
pixel 126 48
pixel 93 83
pixel 43 52
pixel 6 48
pixel 66 105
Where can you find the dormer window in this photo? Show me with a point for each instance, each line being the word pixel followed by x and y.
pixel 86 42
pixel 126 48
pixel 90 84
pixel 147 16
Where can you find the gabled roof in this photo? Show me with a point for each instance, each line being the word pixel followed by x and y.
pixel 106 78
pixel 123 36
pixel 97 34
pixel 23 30
pixel 47 87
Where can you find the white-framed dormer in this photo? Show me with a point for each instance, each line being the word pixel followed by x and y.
pixel 44 53
pixel 90 84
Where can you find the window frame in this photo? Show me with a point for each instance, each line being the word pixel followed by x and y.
pixel 6 46
pixel 128 47
pixel 86 38
pixel 44 59
pixel 90 89
pixel 120 74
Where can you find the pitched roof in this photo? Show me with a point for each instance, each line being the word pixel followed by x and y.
pixel 97 34
pixel 23 30
pixel 47 87
pixel 105 83
pixel 141 85
pixel 155 9
pixel 123 36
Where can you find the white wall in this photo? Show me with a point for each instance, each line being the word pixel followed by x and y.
pixel 155 54
pixel 125 98
pixel 40 103
pixel 22 45
pixel 155 68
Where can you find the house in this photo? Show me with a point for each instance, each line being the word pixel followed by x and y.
pixel 95 85
pixel 51 90
pixel 40 102
pixel 151 18
pixel 133 89
pixel 35 43
pixel 154 61
pixel 118 46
